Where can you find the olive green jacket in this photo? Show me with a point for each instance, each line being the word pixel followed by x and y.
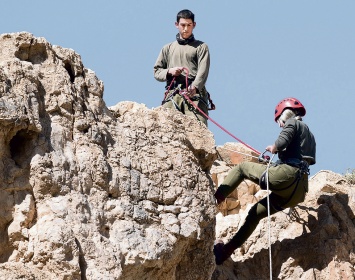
pixel 296 141
pixel 194 56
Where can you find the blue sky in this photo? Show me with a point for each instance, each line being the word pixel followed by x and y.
pixel 261 52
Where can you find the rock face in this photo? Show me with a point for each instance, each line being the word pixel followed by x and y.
pixel 90 192
pixel 314 240
pixel 247 192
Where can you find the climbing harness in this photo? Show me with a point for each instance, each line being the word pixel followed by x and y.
pixel 170 93
pixel 302 170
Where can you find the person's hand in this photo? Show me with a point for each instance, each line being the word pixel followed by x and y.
pixel 175 71
pixel 272 149
pixel 191 91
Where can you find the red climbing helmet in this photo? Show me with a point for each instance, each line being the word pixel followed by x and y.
pixel 290 103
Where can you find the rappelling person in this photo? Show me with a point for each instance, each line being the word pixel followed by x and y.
pixel 287 178
pixel 185 53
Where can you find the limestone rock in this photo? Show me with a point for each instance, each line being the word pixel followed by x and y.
pixel 90 192
pixel 229 155
pixel 233 153
pixel 314 240
pixel 126 192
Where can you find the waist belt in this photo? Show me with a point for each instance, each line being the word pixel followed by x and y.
pixel 302 165
pixel 196 97
pixel 173 88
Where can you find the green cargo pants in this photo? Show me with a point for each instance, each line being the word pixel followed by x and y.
pixel 178 102
pixel 287 185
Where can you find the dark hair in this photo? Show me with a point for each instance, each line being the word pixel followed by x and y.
pixel 186 14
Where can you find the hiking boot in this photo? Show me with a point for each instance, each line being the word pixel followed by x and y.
pixel 219 197
pixel 220 252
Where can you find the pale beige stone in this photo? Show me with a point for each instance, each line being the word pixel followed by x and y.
pixel 90 192
pixel 231 154
pixel 126 192
pixel 314 240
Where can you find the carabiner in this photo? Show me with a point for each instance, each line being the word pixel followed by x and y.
pixel 263 158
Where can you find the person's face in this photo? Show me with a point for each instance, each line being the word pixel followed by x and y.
pixel 280 123
pixel 185 26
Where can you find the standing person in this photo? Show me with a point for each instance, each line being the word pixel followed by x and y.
pixel 185 52
pixel 287 178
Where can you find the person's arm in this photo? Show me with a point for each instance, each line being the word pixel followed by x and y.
pixel 161 70
pixel 284 139
pixel 160 67
pixel 203 67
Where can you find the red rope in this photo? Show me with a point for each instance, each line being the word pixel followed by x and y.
pixel 221 127
pixel 183 93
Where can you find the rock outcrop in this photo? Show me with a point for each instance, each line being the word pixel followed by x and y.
pixel 247 192
pixel 90 192
pixel 126 192
pixel 314 240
